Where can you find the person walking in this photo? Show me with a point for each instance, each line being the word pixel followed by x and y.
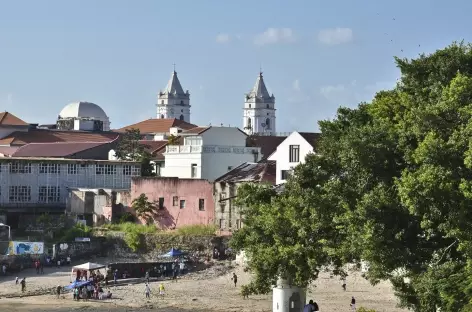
pixel 58 291
pixel 309 307
pixel 147 276
pixel 162 290
pixel 235 279
pixel 23 284
pixel 147 291
pixel 353 304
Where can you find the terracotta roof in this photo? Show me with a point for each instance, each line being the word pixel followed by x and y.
pixel 158 125
pixel 263 171
pixel 8 119
pixel 196 130
pixel 311 137
pixel 268 144
pixel 52 136
pixel 57 149
pixel 153 146
pixel 7 151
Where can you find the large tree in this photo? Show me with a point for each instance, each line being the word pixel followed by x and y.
pixel 391 184
pixel 129 148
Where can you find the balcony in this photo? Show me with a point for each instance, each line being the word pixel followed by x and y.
pixel 194 149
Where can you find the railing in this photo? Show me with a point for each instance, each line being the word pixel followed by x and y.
pixel 177 149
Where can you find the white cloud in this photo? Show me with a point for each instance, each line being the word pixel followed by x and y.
pixel 296 85
pixel 275 35
pixel 223 38
pixel 335 36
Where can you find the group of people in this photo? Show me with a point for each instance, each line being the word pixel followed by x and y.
pixel 147 290
pixel 90 291
pixel 312 306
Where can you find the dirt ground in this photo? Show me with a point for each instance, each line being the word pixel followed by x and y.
pixel 198 292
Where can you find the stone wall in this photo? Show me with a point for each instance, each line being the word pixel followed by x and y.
pixel 97 247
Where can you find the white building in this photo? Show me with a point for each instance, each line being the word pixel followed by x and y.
pixel 83 116
pixel 173 102
pixel 291 152
pixel 34 185
pixel 208 153
pixel 259 110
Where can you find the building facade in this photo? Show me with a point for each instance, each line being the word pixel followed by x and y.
pixel 207 153
pixel 228 215
pixel 259 110
pixel 38 185
pixel 178 202
pixel 291 152
pixel 173 102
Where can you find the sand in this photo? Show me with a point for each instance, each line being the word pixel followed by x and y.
pixel 198 292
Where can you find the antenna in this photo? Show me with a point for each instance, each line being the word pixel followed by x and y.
pixel 174 67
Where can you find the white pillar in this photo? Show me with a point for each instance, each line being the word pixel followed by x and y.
pixel 288 298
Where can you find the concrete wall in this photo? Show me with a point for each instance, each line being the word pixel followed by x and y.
pixel 188 190
pixel 282 156
pixel 227 214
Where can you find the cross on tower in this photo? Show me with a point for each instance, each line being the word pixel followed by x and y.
pixel 174 66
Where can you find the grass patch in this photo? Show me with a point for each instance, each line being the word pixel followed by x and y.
pixel 196 230
pixel 133 233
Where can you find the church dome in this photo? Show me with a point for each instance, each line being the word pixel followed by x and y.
pixel 83 110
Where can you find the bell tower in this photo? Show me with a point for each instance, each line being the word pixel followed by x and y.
pixel 173 102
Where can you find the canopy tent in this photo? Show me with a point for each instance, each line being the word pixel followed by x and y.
pixel 78 284
pixel 89 266
pixel 174 253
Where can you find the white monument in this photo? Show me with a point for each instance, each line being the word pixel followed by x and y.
pixel 288 298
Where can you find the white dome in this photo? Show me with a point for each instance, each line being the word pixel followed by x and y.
pixel 83 110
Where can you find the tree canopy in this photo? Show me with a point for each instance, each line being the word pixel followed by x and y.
pixel 390 184
pixel 129 148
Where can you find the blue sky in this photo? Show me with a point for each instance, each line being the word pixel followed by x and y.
pixel 316 55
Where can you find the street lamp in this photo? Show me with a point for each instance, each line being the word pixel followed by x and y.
pixel 9 233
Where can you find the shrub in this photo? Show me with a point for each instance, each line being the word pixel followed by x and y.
pixel 197 230
pixel 127 217
pixel 77 230
pixel 133 233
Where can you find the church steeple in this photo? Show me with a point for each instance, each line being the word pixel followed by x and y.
pixel 259 110
pixel 173 102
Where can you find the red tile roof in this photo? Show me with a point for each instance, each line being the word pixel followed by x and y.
pixel 53 136
pixel 263 171
pixel 158 126
pixel 8 119
pixel 57 149
pixel 153 146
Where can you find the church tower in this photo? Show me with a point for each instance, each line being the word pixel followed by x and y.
pixel 173 102
pixel 259 110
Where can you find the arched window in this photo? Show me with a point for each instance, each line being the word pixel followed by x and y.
pixel 162 102
pixel 267 123
pixel 181 117
pixel 162 116
pixel 249 105
pixel 268 106
pixel 181 102
pixel 249 123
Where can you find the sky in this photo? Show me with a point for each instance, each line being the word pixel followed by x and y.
pixel 315 55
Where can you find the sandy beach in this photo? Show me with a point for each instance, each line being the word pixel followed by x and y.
pixel 209 290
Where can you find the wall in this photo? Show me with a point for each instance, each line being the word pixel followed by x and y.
pixel 190 190
pixel 6 130
pixel 215 164
pixel 82 250
pixel 179 165
pixel 225 136
pixel 282 154
pixel 227 214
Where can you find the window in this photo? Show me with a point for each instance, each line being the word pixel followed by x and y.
pixel 222 199
pixel 162 102
pixel 49 194
pixel 162 116
pixel 268 123
pixel 49 168
pixel 181 102
pixel 127 170
pixel 72 168
pixel 222 224
pixel 201 204
pixel 18 167
pixel 294 153
pixel 249 123
pixel 99 169
pixel 182 204
pixel 105 169
pixel 193 172
pixel 181 117
pixel 268 106
pixel 193 140
pixel 161 202
pixel 250 105
pixel 20 194
pixel 175 201
pixel 230 168
pixel 181 110
pixel 285 174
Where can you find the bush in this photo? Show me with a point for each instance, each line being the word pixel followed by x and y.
pixel 78 230
pixel 127 217
pixel 197 230
pixel 133 233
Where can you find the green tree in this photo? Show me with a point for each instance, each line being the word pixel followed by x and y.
pixel 391 184
pixel 143 207
pixel 129 148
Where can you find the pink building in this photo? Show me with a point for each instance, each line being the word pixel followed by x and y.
pixel 179 202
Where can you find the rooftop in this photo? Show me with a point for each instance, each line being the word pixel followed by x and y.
pixel 154 147
pixel 8 119
pixel 151 126
pixel 52 159
pixel 53 136
pixel 268 144
pixel 57 149
pixel 264 171
pixel 311 137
